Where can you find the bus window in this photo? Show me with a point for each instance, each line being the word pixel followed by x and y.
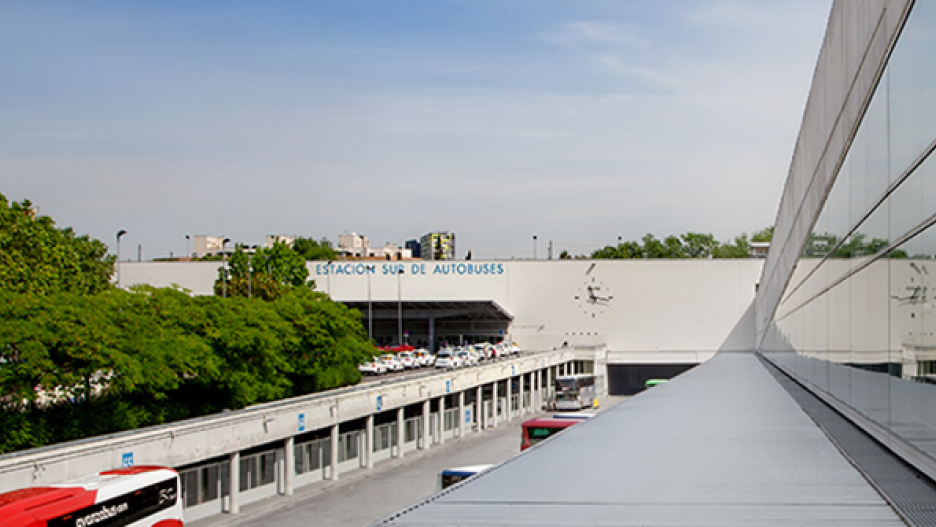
pixel 451 476
pixel 575 392
pixel 537 430
pixel 134 496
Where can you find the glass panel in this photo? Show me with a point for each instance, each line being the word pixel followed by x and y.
pixel 268 468
pixel 190 487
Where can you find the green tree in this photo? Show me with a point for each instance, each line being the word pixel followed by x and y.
pixel 763 235
pixel 310 249
pixel 35 256
pixel 739 248
pixel 267 273
pixel 696 245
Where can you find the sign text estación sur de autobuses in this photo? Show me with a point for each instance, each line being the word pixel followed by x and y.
pixel 414 268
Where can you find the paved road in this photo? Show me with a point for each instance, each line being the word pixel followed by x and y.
pixel 365 496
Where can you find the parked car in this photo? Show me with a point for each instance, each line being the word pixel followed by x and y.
pixel 406 358
pixel 373 367
pixel 422 358
pixel 484 351
pixel 391 362
pixel 466 358
pixel 447 359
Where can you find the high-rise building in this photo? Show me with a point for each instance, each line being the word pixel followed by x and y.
pixel 414 247
pixel 438 245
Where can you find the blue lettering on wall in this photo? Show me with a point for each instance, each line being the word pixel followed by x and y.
pixel 415 269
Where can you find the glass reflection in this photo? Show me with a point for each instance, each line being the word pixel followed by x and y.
pixel 856 321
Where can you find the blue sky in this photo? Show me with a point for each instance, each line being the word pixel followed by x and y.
pixel 575 121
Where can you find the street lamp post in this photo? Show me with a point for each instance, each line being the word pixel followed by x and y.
pixel 188 246
pixel 534 247
pixel 120 235
pixel 250 252
pixel 400 306
pixel 224 267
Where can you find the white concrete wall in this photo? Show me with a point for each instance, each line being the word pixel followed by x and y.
pixel 196 440
pixel 661 311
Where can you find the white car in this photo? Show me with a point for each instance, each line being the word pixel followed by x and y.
pixel 466 358
pixel 373 367
pixel 447 359
pixel 484 351
pixel 407 359
pixel 422 358
pixel 391 362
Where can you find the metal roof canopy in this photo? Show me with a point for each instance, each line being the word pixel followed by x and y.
pixel 437 309
pixel 723 444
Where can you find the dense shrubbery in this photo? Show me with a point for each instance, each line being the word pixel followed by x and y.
pixel 82 361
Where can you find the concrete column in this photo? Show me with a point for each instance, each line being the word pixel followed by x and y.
pixel 460 422
pixel 234 471
pixel 369 442
pixel 400 431
pixel 432 334
pixel 333 475
pixel 535 388
pixel 493 423
pixel 479 408
pixel 441 420
pixel 549 384
pixel 509 411
pixel 521 386
pixel 424 444
pixel 289 460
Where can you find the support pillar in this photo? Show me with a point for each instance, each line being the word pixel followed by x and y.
pixel 479 409
pixel 333 475
pixel 441 420
pixel 289 460
pixel 549 384
pixel 424 444
pixel 369 442
pixel 509 409
pixel 494 406
pixel 400 431
pixel 460 421
pixel 234 471
pixel 522 405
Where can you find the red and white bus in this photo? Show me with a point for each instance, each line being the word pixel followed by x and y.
pixel 134 496
pixel 536 430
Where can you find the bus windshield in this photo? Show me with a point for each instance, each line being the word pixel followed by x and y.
pixel 575 392
pixel 451 476
pixel 538 430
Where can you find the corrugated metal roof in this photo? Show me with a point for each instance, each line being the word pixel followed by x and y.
pixel 723 444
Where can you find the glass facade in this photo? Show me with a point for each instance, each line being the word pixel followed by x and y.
pixel 858 316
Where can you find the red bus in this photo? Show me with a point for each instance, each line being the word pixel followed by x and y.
pixel 536 430
pixel 133 496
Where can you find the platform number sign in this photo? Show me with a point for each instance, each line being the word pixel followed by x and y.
pixel 448 386
pixel 126 460
pixel 379 402
pixel 302 422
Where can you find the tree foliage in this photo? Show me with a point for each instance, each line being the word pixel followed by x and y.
pixel 267 273
pixel 310 249
pixel 75 366
pixel 79 357
pixel 37 257
pixel 688 245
